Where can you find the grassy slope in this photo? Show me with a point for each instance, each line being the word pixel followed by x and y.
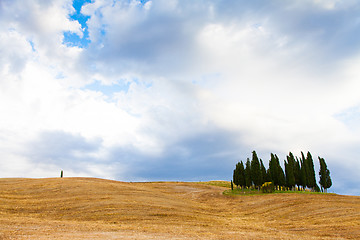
pixel 87 208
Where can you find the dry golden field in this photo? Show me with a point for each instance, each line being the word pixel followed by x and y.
pixel 87 208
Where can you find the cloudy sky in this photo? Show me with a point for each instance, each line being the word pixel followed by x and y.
pixel 177 90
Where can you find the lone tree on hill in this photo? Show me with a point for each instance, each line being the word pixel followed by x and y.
pixel 324 173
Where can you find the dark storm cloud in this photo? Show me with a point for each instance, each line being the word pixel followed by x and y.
pixel 62 149
pixel 207 156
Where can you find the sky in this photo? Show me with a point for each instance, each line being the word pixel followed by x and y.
pixel 178 90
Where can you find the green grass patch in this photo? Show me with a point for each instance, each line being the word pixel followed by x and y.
pixel 304 192
pixel 248 192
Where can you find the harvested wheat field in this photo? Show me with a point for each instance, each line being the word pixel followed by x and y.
pixel 87 208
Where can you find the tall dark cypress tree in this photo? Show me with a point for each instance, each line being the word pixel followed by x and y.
pixel 310 178
pixel 324 173
pixel 248 180
pixel 273 170
pixel 268 176
pixel 239 175
pixel 280 172
pixel 255 170
pixel 297 173
pixel 242 175
pixel 263 172
pixel 236 175
pixel 276 172
pixel 289 170
pixel 303 171
pixel 286 174
pixel 328 180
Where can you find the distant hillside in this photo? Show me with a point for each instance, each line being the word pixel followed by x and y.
pixel 88 208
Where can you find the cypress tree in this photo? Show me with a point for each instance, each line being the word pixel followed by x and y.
pixel 263 172
pixel 236 175
pixel 289 170
pixel 303 171
pixel 235 178
pixel 239 175
pixel 286 174
pixel 297 173
pixel 324 173
pixel 268 176
pixel 273 170
pixel 248 180
pixel 281 175
pixel 276 172
pixel 328 180
pixel 255 170
pixel 310 178
pixel 242 182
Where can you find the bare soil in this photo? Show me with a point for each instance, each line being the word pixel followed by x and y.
pixel 88 208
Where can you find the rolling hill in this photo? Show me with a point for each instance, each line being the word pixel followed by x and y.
pixel 89 208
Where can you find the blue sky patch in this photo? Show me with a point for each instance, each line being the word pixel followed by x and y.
pixel 72 39
pixel 108 90
pixel 32 46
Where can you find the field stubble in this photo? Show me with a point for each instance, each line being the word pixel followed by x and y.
pixel 88 208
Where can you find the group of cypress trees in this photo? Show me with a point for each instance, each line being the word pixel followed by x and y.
pixel 298 172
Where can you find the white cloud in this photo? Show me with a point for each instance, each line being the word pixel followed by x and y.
pixel 333 4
